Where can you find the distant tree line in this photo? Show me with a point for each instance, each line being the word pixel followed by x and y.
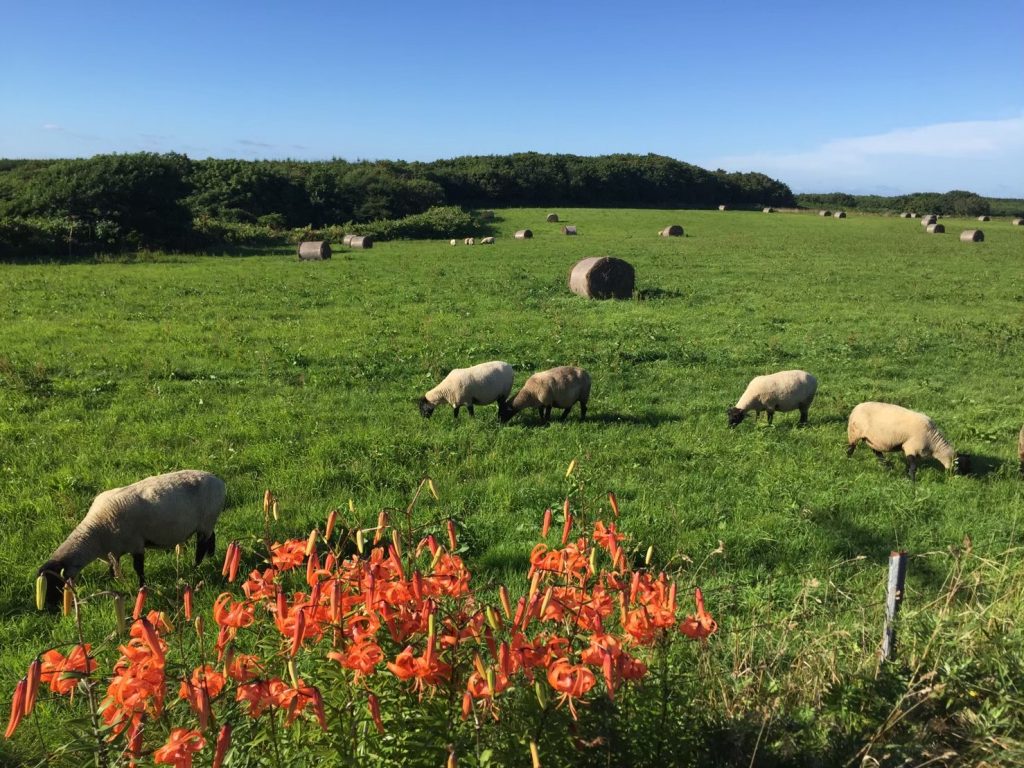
pixel 170 201
pixel 953 203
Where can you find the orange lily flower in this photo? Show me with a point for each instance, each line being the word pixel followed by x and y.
pixel 260 585
pixel 425 671
pixel 290 554
pixel 179 748
pixel 17 708
pixel 258 695
pixel 701 625
pixel 362 656
pixel 62 673
pixel 244 667
pixel 570 681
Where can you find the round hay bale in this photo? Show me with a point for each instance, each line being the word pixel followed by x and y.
pixel 1018 222
pixel 905 215
pixel 983 217
pixel 360 241
pixel 314 250
pixel 931 218
pixel 552 218
pixel 769 209
pixel 913 215
pixel 672 231
pixel 453 241
pixel 568 230
pixel 839 215
pixel 602 277
pixel 469 241
pixel 824 213
pixel 935 229
pixel 723 207
pixel 523 234
pixel 972 236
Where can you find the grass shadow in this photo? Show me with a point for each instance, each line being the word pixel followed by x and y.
pixel 982 465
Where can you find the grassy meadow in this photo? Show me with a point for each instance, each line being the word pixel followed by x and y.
pixel 301 376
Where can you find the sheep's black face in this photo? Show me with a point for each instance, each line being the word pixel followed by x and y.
pixel 962 465
pixel 54 583
pixel 736 416
pixel 426 409
pixel 505 412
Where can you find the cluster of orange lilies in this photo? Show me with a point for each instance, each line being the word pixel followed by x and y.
pixel 397 605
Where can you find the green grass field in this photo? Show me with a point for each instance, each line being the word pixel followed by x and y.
pixel 300 377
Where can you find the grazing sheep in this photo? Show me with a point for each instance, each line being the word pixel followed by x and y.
pixel 469 241
pixel 478 385
pixel 453 241
pixel 486 241
pixel 782 391
pixel 886 427
pixel 560 387
pixel 1020 450
pixel 160 511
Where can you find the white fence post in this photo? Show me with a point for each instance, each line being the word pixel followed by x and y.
pixel 893 599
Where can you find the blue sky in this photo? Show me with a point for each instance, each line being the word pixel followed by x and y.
pixel 866 97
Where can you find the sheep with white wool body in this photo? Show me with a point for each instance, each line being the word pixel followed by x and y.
pixel 886 427
pixel 160 511
pixel 560 387
pixel 783 391
pixel 477 385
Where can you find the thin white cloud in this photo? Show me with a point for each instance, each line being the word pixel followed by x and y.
pixel 976 154
pixel 51 127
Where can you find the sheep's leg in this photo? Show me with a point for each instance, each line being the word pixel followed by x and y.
pixel 771 415
pixel 546 414
pixel 139 562
pixel 851 448
pixel 881 459
pixel 115 565
pixel 540 412
pixel 804 407
pixel 565 413
pixel 583 410
pixel 204 546
pixel 455 413
pixel 470 409
pixel 912 468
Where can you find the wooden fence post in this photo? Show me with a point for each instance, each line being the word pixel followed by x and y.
pixel 893 599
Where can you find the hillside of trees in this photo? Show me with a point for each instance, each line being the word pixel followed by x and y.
pixel 169 201
pixel 953 203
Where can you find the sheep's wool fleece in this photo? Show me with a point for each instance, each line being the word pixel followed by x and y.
pixel 480 384
pixel 888 427
pixel 560 387
pixel 782 391
pixel 164 509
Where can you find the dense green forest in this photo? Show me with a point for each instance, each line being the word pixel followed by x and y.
pixel 956 202
pixel 72 208
pixel 111 202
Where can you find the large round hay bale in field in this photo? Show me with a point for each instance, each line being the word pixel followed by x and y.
pixel 935 229
pixel 906 215
pixel 602 277
pixel 523 234
pixel 360 241
pixel 314 250
pixel 723 207
pixel 569 229
pixel 1018 222
pixel 347 239
pixel 839 215
pixel 769 209
pixel 931 218
pixel 972 236
pixel 983 217
pixel 824 213
pixel 672 231
pixel 552 217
